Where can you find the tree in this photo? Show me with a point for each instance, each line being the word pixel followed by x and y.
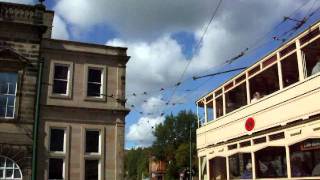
pixel 172 142
pixel 136 163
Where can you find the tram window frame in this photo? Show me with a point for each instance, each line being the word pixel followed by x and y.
pixel 263 81
pixel 266 162
pixel 201 111
pixel 219 103
pixel 311 57
pixel 240 166
pixel 303 158
pixel 209 111
pixel 221 170
pixel 233 100
pixel 290 70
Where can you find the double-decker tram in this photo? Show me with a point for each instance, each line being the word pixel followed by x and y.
pixel 265 122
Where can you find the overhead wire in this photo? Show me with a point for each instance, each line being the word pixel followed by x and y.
pixel 261 38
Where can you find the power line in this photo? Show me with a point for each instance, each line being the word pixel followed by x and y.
pixel 198 44
pixel 238 56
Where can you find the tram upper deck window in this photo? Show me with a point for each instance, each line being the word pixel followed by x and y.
pixel 201 113
pixel 264 83
pixel 271 162
pixel 219 106
pixel 290 72
pixel 209 110
pixel 311 55
pixel 240 166
pixel 305 158
pixel 236 98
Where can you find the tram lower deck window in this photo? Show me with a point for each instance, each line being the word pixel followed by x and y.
pixel 305 158
pixel 271 163
pixel 218 169
pixel 240 166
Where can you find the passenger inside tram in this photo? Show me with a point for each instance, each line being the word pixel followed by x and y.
pixel 305 158
pixel 265 82
pixel 316 67
pixel 256 97
pixel 312 57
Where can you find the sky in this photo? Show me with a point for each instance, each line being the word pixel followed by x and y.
pixel 164 41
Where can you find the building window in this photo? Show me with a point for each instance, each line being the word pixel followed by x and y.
pixel 8 89
pixel 240 166
pixel 57 140
pixel 61 79
pixel 271 163
pixel 92 141
pixel 92 169
pixel 9 169
pixel 305 158
pixel 95 82
pixel 56 168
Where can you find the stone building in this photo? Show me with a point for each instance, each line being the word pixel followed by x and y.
pixel 62 103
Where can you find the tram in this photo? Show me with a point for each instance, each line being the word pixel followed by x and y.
pixel 264 123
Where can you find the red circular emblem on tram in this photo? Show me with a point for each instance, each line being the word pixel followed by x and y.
pixel 249 124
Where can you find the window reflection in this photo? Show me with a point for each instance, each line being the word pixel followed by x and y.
pixel 209 111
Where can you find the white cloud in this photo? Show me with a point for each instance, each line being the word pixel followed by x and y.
pixel 59 30
pixel 146 26
pixel 19 1
pixel 141 132
pixel 137 19
pixel 153 65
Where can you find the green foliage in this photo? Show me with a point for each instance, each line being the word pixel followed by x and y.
pixel 136 163
pixel 172 145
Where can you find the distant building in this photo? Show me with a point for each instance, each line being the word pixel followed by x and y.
pixel 157 169
pixel 78 107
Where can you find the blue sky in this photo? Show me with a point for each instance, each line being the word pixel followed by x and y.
pixel 161 37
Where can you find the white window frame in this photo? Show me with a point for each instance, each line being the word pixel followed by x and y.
pixel 64 155
pixel 63 167
pixel 103 82
pixel 13 168
pixel 64 140
pixel 69 78
pixel 99 145
pixel 15 98
pixel 99 165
